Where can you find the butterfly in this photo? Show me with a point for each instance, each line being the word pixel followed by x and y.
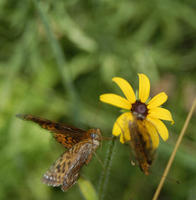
pixel 141 145
pixel 81 145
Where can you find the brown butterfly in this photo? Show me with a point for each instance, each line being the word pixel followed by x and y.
pixel 80 144
pixel 141 145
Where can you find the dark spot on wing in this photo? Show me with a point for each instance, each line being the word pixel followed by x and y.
pixel 58 168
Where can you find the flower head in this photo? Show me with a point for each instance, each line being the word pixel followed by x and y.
pixel 147 113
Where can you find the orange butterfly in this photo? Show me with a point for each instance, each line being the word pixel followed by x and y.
pixel 80 144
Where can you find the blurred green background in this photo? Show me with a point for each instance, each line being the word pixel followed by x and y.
pixel 57 57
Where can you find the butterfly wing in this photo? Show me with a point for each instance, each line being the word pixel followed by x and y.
pixel 65 171
pixel 142 145
pixel 66 135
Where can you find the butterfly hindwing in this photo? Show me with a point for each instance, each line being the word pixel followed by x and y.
pixel 65 171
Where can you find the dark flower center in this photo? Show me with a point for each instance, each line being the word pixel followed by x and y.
pixel 139 109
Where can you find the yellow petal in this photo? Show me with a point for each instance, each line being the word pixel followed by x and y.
pixel 161 113
pixel 153 134
pixel 160 127
pixel 115 100
pixel 122 139
pixel 121 127
pixel 157 100
pixel 144 87
pixel 126 88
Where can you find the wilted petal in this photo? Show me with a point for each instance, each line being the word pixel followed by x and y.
pixel 115 100
pixel 144 87
pixel 161 113
pixel 126 88
pixel 157 100
pixel 121 127
pixel 160 127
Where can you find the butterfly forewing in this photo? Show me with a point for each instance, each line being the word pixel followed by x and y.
pixel 64 134
pixel 65 171
pixel 141 145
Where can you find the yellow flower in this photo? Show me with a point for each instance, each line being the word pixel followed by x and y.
pixel 149 113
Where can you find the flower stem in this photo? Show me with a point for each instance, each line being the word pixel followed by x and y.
pixel 107 165
pixel 165 173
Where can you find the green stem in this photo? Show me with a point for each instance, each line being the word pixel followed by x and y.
pixel 107 165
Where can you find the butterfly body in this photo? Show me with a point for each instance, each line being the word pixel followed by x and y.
pixel 80 144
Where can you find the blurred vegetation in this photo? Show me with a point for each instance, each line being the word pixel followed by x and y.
pixel 57 57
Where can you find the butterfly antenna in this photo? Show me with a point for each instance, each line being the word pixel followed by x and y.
pixel 173 179
pixel 168 178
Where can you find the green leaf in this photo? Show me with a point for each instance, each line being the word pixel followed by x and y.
pixel 87 189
